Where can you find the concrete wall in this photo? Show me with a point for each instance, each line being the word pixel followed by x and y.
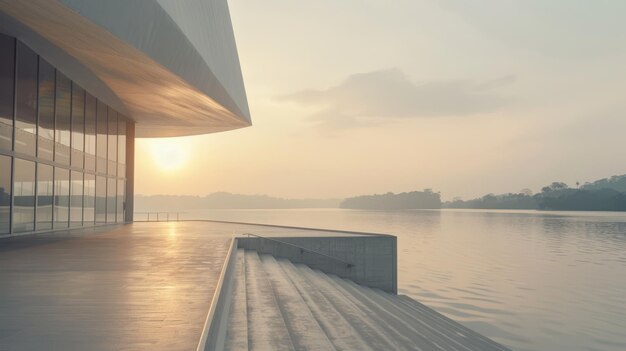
pixel 373 258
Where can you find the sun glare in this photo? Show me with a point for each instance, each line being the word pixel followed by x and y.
pixel 169 154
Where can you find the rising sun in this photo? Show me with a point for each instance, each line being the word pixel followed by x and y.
pixel 169 154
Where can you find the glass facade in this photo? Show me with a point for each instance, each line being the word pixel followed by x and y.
pixel 76 199
pixel 121 190
pixel 45 125
pixel 78 126
pixel 26 101
pixel 112 144
pixel 102 118
pixel 90 133
pixel 61 213
pixel 62 119
pixel 45 196
pixel 121 147
pixel 111 200
pixel 5 195
pixel 62 151
pixel 23 196
pixel 7 90
pixel 89 200
pixel 101 200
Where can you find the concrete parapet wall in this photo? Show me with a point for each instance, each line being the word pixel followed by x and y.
pixel 372 258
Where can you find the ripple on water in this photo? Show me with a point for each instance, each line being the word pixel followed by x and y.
pixel 480 309
pixel 497 333
pixel 480 299
pixel 473 291
pixel 610 343
pixel 452 312
pixel 427 294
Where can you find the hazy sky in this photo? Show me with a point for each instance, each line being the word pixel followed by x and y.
pixel 367 96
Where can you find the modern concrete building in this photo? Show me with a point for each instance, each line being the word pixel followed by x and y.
pixel 81 79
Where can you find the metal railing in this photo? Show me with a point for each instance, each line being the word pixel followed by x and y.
pixel 302 249
pixel 158 216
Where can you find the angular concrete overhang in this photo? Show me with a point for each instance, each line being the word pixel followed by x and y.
pixel 171 66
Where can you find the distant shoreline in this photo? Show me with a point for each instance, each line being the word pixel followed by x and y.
pixel 443 209
pixel 607 194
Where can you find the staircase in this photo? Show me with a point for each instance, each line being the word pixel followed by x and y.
pixel 277 305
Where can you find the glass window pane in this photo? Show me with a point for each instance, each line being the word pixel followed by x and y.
pixel 89 199
pixel 112 143
pixel 76 199
pixel 101 147
pixel 44 196
pixel 7 80
pixel 121 146
pixel 90 132
pixel 23 196
pixel 61 197
pixel 45 127
pixel 26 100
pixel 101 199
pixel 120 201
pixel 111 200
pixel 78 125
pixel 121 170
pixel 5 194
pixel 62 119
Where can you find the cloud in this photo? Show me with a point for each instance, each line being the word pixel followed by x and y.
pixel 388 95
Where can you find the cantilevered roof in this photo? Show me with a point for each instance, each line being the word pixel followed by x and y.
pixel 171 66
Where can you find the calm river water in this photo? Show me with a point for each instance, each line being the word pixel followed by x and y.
pixel 530 280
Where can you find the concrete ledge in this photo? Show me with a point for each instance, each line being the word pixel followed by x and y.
pixel 372 258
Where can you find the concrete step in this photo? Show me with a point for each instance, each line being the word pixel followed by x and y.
pixel 305 332
pixel 441 322
pixel 341 333
pixel 385 320
pixel 237 330
pixel 361 318
pixel 451 338
pixel 277 305
pixel 426 336
pixel 266 326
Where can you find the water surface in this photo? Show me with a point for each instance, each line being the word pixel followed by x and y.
pixel 530 280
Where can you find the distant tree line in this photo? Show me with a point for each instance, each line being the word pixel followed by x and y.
pixel 426 199
pixel 617 183
pixel 509 201
pixel 602 195
pixel 584 200
pixel 607 194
